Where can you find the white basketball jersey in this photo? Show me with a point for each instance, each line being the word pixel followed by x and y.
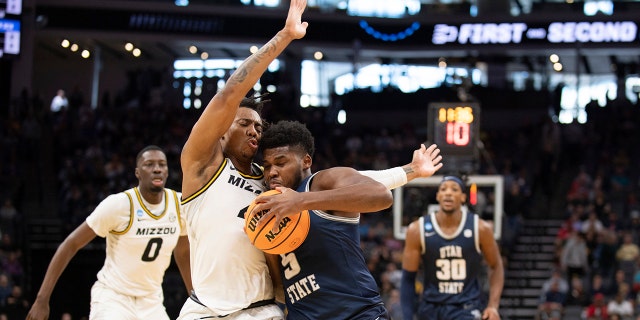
pixel 227 271
pixel 140 240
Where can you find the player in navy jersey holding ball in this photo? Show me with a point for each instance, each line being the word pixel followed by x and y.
pixel 327 276
pixel 451 245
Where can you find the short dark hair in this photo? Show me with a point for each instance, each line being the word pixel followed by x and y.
pixel 460 180
pixel 288 133
pixel 147 148
pixel 255 102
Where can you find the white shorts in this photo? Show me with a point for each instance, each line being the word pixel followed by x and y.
pixel 107 304
pixel 195 311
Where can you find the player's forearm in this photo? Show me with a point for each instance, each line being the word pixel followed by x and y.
pixel 58 264
pixel 363 197
pixel 181 254
pixel 496 283
pixel 391 178
pixel 273 263
pixel 250 71
pixel 408 294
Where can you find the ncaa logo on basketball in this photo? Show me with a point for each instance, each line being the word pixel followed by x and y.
pixel 283 225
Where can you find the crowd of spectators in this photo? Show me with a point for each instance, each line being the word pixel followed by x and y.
pixel 18 131
pixel 93 151
pixel 597 245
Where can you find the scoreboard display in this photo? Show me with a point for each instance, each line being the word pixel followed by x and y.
pixel 454 127
pixel 10 14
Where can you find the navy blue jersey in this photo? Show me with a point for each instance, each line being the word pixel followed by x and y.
pixel 327 276
pixel 452 263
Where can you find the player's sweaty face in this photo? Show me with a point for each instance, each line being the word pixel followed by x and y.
pixel 152 170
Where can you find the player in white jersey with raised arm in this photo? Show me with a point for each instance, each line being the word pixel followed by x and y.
pixel 230 277
pixel 141 226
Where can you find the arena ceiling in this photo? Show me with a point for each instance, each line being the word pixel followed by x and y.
pixel 228 31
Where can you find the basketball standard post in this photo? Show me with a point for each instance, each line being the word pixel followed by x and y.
pixel 495 181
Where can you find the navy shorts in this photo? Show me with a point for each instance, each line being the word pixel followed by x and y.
pixel 467 311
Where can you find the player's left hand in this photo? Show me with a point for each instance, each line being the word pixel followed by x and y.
pixel 426 161
pixel 490 314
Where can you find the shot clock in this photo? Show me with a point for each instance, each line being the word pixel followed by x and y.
pixel 454 127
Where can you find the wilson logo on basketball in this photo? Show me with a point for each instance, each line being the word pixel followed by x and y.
pixel 283 224
pixel 254 220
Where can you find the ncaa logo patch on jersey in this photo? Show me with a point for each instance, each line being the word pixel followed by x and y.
pixel 428 227
pixel 468 233
pixel 172 217
pixel 139 213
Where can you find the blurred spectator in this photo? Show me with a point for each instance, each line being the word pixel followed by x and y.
pixel 575 264
pixel 59 102
pixel 620 182
pixel 613 221
pixel 557 281
pixel 571 224
pixel 551 144
pixel 5 289
pixel 597 285
pixel 577 294
pixel 12 266
pixel 627 256
pixel 553 297
pixel 7 245
pixel 634 226
pixel 619 281
pixel 17 306
pixel 592 224
pixel 393 305
pixel 604 255
pixel 621 305
pixel 8 217
pixel 597 309
pixel 580 188
pixel 515 202
pixel 393 275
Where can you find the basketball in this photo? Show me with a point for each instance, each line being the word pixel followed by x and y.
pixel 291 232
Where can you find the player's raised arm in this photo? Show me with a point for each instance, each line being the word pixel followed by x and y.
pixel 203 147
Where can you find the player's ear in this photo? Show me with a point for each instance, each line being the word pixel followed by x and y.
pixel 306 161
pixel 137 172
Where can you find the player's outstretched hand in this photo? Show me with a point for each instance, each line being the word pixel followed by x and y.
pixel 294 25
pixel 426 161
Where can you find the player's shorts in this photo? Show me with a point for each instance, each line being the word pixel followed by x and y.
pixel 191 310
pixel 106 304
pixel 467 311
pixel 376 312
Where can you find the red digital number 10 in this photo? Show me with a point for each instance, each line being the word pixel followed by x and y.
pixel 458 133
